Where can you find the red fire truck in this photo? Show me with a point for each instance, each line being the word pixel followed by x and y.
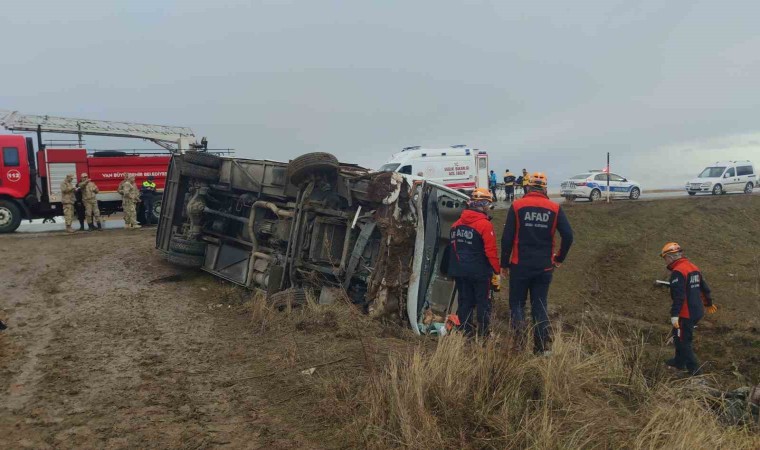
pixel 30 180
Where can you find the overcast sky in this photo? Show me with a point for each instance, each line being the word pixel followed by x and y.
pixel 666 86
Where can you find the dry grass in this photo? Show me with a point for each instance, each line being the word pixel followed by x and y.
pixel 376 389
pixel 605 385
pixel 591 393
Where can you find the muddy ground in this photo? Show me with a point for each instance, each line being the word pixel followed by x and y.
pixel 111 347
pixel 98 356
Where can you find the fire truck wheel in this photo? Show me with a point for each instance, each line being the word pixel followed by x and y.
pixel 300 168
pixel 189 261
pixel 156 213
pixel 199 172
pixel 179 244
pixel 10 216
pixel 202 159
pixel 287 299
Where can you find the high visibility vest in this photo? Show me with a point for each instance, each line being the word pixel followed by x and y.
pixel 149 184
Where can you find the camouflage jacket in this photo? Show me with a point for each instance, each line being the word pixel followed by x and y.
pixel 89 190
pixel 68 193
pixel 130 192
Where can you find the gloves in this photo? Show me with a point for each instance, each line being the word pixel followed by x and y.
pixel 674 321
pixel 712 309
pixel 496 282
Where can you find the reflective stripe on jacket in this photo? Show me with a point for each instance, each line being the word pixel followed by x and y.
pixel 688 290
pixel 527 244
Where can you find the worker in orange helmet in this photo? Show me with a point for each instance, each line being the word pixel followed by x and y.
pixel 528 258
pixel 691 299
pixel 473 261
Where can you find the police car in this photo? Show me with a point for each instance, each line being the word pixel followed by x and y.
pixel 593 186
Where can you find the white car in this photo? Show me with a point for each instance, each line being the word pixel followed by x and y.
pixel 593 186
pixel 722 177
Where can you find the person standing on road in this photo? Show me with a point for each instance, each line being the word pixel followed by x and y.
pixel 68 197
pixel 528 259
pixel 130 197
pixel 691 298
pixel 90 200
pixel 474 261
pixel 509 185
pixel 492 184
pixel 525 181
pixel 79 207
pixel 148 198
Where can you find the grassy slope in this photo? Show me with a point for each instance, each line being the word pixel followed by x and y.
pixel 614 262
pixel 376 385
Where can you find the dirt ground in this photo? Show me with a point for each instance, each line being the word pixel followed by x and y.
pixel 99 356
pixel 111 347
pixel 614 262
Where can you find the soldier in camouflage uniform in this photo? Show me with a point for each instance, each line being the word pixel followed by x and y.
pixel 89 197
pixel 120 189
pixel 130 197
pixel 68 194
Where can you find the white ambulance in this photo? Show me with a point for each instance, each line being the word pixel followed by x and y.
pixel 457 167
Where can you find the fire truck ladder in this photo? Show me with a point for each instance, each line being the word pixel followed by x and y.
pixel 174 139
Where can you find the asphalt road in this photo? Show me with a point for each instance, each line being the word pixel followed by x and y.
pixel 36 226
pixel 644 197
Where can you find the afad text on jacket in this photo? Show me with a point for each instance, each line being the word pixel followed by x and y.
pixel 473 246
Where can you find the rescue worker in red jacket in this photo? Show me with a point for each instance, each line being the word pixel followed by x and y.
pixel 474 261
pixel 528 259
pixel 691 298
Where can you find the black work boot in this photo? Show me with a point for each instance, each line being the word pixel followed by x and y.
pixel 81 226
pixel 90 226
pixel 100 226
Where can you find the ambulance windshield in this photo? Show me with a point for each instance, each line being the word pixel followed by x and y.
pixel 389 167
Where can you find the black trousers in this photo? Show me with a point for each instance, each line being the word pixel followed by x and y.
pixel 683 339
pixel 79 208
pixel 474 294
pixel 148 203
pixel 538 287
pixel 510 193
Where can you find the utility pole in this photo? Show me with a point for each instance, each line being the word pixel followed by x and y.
pixel 608 177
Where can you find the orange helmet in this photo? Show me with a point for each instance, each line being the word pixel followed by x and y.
pixel 538 179
pixel 481 194
pixel 670 247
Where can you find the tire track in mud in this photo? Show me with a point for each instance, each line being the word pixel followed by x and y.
pixel 105 359
pixel 36 330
